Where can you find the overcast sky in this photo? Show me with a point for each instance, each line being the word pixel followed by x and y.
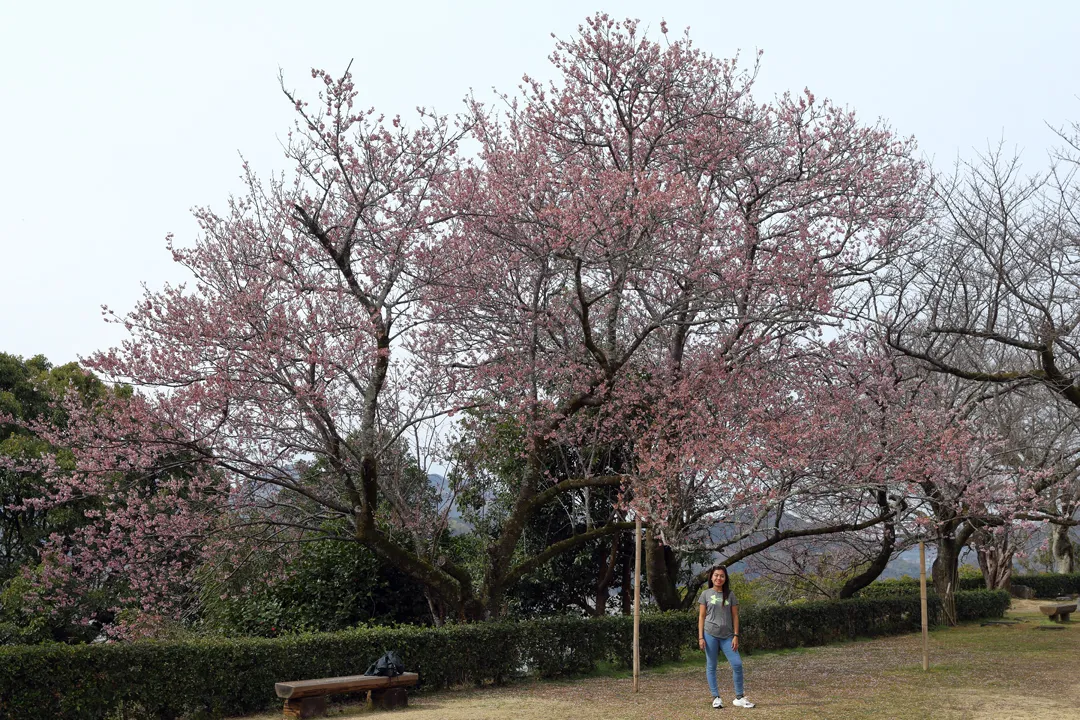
pixel 117 118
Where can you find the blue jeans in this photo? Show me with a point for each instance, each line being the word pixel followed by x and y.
pixel 713 646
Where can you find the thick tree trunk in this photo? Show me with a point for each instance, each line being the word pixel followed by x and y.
pixel 662 569
pixel 995 551
pixel 449 585
pixel 996 566
pixel 1061 549
pixel 501 551
pixel 945 576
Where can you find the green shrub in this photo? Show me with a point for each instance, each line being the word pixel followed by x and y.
pixel 820 622
pixel 978 604
pixel 330 586
pixel 906 585
pixel 892 587
pixel 1045 585
pixel 213 677
pixel 752 591
pixel 1050 585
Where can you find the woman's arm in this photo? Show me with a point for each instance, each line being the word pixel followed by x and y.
pixel 701 627
pixel 735 626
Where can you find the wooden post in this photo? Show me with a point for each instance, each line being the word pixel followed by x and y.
pixel 922 600
pixel 637 600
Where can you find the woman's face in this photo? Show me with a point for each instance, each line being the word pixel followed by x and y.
pixel 718 578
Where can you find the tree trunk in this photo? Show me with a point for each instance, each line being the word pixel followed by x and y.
pixel 437 608
pixel 448 582
pixel 996 566
pixel 946 577
pixel 662 568
pixel 501 551
pixel 606 576
pixel 873 572
pixel 1061 549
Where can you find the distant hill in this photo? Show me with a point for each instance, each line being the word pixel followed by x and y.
pixel 458 526
pixel 906 563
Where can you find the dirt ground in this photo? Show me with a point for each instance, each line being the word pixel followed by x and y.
pixel 977 672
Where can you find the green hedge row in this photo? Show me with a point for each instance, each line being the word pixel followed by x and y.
pixel 1045 585
pixel 1049 585
pixel 786 626
pixel 215 677
pixel 897 587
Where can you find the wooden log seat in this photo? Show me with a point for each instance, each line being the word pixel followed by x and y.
pixel 307 698
pixel 1058 612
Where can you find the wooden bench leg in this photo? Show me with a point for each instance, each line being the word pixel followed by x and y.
pixel 305 708
pixel 1064 616
pixel 390 698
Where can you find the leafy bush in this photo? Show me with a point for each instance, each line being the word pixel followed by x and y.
pixel 969 573
pixel 331 585
pixel 819 622
pixel 892 587
pixel 18 625
pixel 752 591
pixel 906 585
pixel 214 677
pixel 978 604
pixel 1050 585
pixel 1045 585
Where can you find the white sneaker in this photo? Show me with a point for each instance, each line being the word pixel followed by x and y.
pixel 742 702
pixel 717 702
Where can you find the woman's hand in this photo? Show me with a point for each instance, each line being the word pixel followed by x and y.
pixel 701 643
pixel 734 643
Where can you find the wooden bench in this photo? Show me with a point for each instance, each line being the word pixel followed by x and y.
pixel 1058 612
pixel 307 698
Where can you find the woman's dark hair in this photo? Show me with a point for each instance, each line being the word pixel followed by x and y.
pixel 726 587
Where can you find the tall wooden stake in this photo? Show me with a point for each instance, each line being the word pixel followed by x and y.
pixel 922 600
pixel 637 601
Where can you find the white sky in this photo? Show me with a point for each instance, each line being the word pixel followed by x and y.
pixel 117 117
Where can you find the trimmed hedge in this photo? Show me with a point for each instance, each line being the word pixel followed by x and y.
pixel 1050 585
pixel 898 587
pixel 979 604
pixel 817 623
pixel 1045 585
pixel 214 677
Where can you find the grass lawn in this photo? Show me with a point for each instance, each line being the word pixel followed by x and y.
pixel 1014 671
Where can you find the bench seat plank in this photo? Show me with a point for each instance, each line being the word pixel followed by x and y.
pixel 340 685
pixel 1054 609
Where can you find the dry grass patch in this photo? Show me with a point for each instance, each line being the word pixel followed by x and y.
pixel 1015 671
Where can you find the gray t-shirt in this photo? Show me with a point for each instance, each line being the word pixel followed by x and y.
pixel 718 612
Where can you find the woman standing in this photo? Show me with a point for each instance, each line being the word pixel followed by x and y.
pixel 718 629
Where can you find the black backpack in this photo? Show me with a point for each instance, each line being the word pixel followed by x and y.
pixel 388 665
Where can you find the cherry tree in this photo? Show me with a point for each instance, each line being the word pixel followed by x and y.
pixel 626 238
pixel 1043 443
pixel 975 493
pixel 826 445
pixel 147 507
pixel 991 298
pixel 291 366
pixel 645 212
